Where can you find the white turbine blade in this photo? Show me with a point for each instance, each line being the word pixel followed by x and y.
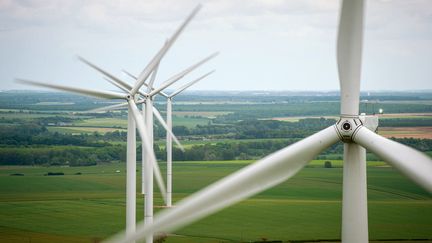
pixel 349 55
pixel 117 85
pixel 139 121
pixel 112 77
pixel 95 93
pixel 414 164
pixel 190 84
pixel 152 79
pixel 180 75
pixel 244 183
pixel 161 120
pixel 156 59
pixel 130 74
pixel 108 108
pixel 146 85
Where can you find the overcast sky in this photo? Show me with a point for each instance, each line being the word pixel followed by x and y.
pixel 263 44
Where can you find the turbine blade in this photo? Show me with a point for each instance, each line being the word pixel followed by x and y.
pixel 152 79
pixel 108 108
pixel 156 59
pixel 130 74
pixel 244 183
pixel 139 121
pixel 112 77
pixel 190 84
pixel 349 55
pixel 116 84
pixel 146 85
pixel 161 120
pixel 94 93
pixel 414 164
pixel 180 75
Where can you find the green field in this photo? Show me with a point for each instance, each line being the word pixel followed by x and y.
pixel 90 206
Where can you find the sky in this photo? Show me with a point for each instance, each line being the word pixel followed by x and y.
pixel 263 44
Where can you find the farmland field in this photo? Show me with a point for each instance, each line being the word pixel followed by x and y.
pixel 45 132
pixel 87 204
pixel 406 132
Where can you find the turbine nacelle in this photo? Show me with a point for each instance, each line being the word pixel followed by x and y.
pixel 348 126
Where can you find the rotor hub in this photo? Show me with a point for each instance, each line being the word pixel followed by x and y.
pixel 347 127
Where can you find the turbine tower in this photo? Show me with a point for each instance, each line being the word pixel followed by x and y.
pixel 285 163
pixel 169 137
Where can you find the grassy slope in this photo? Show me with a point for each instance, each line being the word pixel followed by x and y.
pixel 91 205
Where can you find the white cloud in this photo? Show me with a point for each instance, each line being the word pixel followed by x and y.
pixel 289 39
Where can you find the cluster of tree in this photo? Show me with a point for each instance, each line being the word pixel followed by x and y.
pixel 34 134
pixel 230 150
pixel 250 129
pixel 405 122
pixel 52 155
pixel 262 111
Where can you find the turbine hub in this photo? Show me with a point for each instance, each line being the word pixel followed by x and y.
pixel 347 127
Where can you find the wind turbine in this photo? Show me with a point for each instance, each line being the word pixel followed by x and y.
pixel 148 100
pixel 135 120
pixel 285 163
pixel 169 138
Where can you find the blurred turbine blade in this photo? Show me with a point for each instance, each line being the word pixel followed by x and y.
pixel 107 74
pixel 139 120
pixel 94 93
pixel 242 184
pixel 163 123
pixel 412 163
pixel 146 85
pixel 180 75
pixel 190 84
pixel 108 108
pixel 157 58
pixel 117 85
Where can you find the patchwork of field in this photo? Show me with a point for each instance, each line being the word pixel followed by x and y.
pixel 87 204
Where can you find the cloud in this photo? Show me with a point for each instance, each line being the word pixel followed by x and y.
pixel 287 38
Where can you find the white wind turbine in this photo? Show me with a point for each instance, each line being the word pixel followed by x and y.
pixel 135 120
pixel 169 137
pixel 147 99
pixel 147 102
pixel 285 163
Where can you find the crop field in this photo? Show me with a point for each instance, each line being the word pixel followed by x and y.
pixel 87 204
pixel 102 122
pixel 406 132
pixel 189 122
pixel 407 115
